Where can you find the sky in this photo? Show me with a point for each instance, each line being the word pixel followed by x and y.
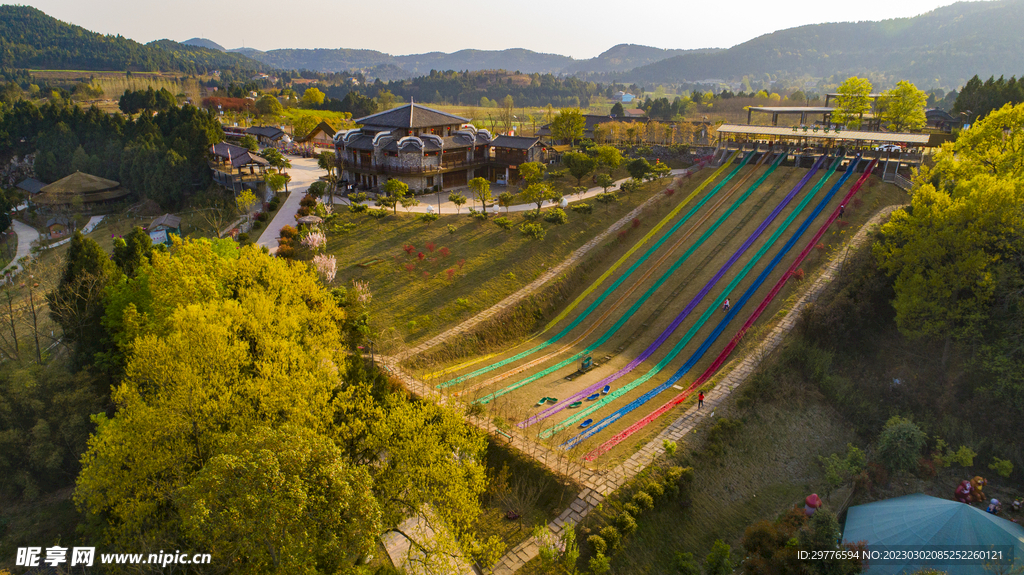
pixel 414 26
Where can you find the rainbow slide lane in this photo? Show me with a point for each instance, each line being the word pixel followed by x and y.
pixel 635 285
pixel 617 283
pixel 724 355
pixel 636 305
pixel 597 283
pixel 707 314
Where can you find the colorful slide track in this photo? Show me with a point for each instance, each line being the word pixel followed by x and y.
pixel 685 339
pixel 664 221
pixel 754 261
pixel 633 286
pixel 614 329
pixel 724 355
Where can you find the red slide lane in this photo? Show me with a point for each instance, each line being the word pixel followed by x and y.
pixel 722 357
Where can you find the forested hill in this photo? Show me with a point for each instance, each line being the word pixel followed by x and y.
pixel 943 47
pixel 616 59
pixel 626 57
pixel 31 39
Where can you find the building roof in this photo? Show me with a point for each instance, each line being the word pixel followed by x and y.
pixel 919 520
pixel 411 116
pixel 634 113
pixel 938 114
pixel 30 185
pixel 270 132
pixel 86 186
pixel 238 155
pixel 361 141
pixel 321 127
pixel 167 220
pixel 62 220
pixel 855 135
pixel 792 109
pixel 515 142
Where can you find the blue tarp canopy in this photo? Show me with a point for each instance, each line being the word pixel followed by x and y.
pixel 922 520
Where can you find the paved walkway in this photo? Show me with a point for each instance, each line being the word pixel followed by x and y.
pixel 26 235
pixel 304 172
pixel 438 202
pixel 598 484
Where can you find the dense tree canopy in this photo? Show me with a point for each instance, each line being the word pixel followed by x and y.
pixel 227 360
pixel 955 254
pixel 162 157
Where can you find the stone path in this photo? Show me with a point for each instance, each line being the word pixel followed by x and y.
pixel 598 484
pixel 510 301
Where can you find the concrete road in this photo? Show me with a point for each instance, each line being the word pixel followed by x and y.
pixel 304 172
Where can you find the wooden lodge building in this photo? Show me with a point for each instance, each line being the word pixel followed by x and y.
pixel 424 148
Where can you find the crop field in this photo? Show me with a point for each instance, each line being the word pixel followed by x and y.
pixel 653 319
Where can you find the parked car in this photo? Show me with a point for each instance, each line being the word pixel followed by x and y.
pixel 889 148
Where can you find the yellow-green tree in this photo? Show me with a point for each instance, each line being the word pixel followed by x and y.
pixel 481 191
pixel 853 101
pixel 569 125
pixel 951 249
pixel 531 172
pixel 396 191
pixel 289 482
pixel 536 194
pixel 246 202
pixel 902 108
pixel 241 422
pixel 313 97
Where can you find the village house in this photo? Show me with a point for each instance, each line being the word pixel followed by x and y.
pixel 417 145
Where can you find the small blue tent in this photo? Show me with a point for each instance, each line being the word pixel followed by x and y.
pixel 922 520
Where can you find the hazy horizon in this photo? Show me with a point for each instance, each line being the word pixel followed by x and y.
pixel 264 25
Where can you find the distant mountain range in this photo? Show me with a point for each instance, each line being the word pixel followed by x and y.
pixel 941 48
pixel 619 58
pixel 944 47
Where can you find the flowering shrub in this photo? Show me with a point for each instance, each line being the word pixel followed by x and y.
pixel 445 252
pixel 820 247
pixel 799 274
pixel 622 234
pixel 430 247
pixel 326 266
pixel 636 223
pixel 670 191
pixel 450 272
pixel 461 263
pixel 420 256
pixel 362 291
pixel 426 275
pixel 410 267
pixel 409 249
pixel 315 240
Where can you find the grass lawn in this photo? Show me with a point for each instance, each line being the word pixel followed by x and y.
pixel 415 296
